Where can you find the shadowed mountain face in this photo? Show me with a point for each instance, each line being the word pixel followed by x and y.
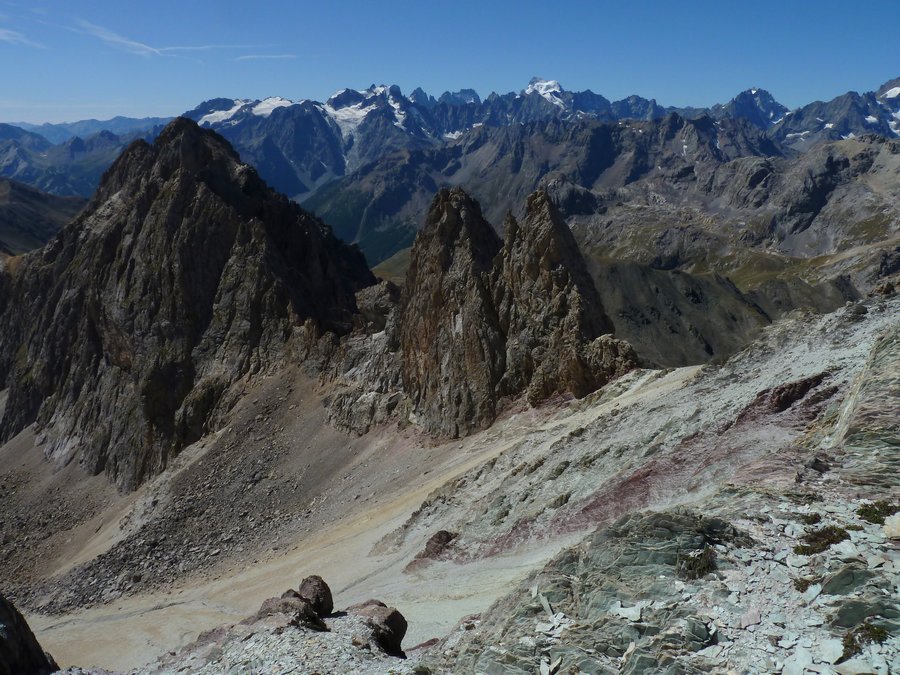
pixel 20 652
pixel 29 217
pixel 184 273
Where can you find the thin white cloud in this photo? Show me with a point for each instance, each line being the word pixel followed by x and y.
pixel 206 48
pixel 116 40
pixel 14 38
pixel 259 57
pixel 135 47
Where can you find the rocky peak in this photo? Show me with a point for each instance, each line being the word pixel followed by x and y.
pixel 184 274
pixel 550 310
pixel 485 322
pixel 450 339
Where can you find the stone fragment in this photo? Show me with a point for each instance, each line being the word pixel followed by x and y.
pixel 751 618
pixel 830 650
pixel 891 526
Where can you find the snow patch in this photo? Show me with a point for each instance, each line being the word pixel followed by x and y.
pixel 871 120
pixel 348 118
pixel 265 107
pixel 222 115
pixel 453 135
pixel 797 135
pixel 891 93
pixel 829 126
pixel 849 136
pixel 548 89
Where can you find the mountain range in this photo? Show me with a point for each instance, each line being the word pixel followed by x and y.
pixel 632 381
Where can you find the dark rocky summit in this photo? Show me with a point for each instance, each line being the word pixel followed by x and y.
pixel 450 335
pixel 20 653
pixel 184 273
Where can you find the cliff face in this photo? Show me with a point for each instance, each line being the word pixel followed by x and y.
pixel 121 337
pixel 450 335
pixel 485 321
pixel 550 311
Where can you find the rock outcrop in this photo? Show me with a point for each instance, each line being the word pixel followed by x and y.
pixel 452 344
pixel 485 321
pixel 20 653
pixel 550 312
pixel 121 338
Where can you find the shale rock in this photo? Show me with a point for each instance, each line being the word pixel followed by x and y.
pixel 120 339
pixel 20 653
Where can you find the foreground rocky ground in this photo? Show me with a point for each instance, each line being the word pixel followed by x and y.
pixel 736 511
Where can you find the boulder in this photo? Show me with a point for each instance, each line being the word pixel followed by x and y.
pixel 387 623
pixel 299 609
pixel 316 591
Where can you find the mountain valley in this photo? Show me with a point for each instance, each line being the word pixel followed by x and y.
pixel 567 385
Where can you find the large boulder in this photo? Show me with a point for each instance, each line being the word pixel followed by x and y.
pixel 387 623
pixel 20 653
pixel 315 590
pixel 299 609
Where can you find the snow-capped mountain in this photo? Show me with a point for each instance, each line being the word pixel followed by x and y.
pixel 755 105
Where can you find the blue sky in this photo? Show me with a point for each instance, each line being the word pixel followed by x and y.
pixel 99 58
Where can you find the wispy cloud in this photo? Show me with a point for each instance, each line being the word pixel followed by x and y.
pixel 259 57
pixel 14 38
pixel 142 49
pixel 116 40
pixel 206 48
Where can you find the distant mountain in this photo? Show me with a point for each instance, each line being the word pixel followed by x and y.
pixel 303 147
pixel 58 133
pixel 757 106
pixel 71 168
pixel 847 116
pixel 29 217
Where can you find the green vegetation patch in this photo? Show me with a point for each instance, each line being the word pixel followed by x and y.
pixel 819 540
pixel 696 564
pixel 804 583
pixel 863 634
pixel 876 512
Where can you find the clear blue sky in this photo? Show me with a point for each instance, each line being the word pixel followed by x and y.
pixel 69 60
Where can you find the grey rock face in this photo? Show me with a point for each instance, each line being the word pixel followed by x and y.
pixel 20 653
pixel 184 273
